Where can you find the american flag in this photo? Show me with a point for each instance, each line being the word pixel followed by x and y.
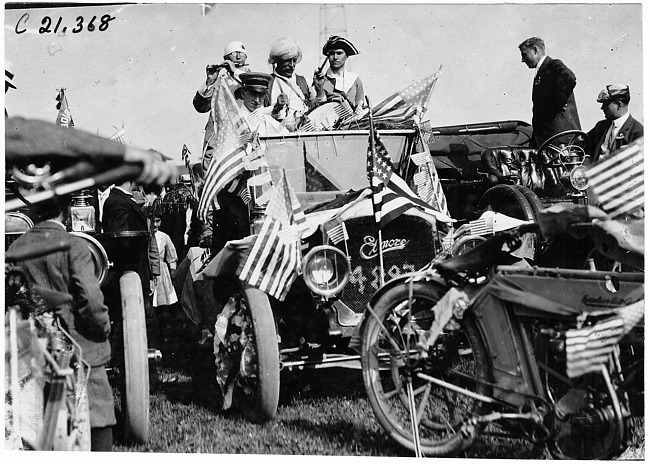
pixel 588 349
pixel 427 182
pixel 407 103
pixel 616 183
pixel 232 133
pixel 64 118
pixel 391 196
pixel 337 232
pixel 482 226
pixel 185 155
pixel 273 261
pixel 119 136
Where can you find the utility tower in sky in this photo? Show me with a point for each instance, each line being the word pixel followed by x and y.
pixel 332 22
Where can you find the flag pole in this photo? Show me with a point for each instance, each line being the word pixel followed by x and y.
pixel 372 150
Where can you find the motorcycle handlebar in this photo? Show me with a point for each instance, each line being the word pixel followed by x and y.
pixel 113 176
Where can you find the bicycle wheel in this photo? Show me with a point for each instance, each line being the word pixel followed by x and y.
pixel 136 360
pixel 249 355
pixel 389 359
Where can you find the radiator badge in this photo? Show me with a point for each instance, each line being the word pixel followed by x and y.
pixel 370 250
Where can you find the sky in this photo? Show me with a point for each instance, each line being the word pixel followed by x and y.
pixel 142 72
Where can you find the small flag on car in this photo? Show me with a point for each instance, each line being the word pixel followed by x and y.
pixel 616 183
pixel 587 350
pixel 337 232
pixel 482 226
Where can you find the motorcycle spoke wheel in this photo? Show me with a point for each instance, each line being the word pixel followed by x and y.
pixel 390 360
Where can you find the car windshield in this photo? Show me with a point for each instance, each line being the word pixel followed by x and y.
pixel 332 161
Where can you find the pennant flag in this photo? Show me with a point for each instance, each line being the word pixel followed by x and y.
pixel 407 103
pixel 391 196
pixel 273 261
pixel 119 136
pixel 64 118
pixel 337 232
pixel 231 135
pixel 616 183
pixel 185 156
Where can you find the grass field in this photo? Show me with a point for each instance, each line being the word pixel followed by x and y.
pixel 322 412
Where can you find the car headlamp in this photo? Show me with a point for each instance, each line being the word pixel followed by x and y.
pixel 579 178
pixel 326 270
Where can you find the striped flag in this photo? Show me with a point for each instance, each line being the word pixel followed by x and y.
pixel 273 261
pixel 337 232
pixel 391 196
pixel 587 350
pixel 407 103
pixel 64 118
pixel 482 226
pixel 119 137
pixel 427 182
pixel 231 135
pixel 616 183
pixel 185 156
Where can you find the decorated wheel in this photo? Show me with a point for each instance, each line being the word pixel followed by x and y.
pixel 135 402
pixel 246 353
pixel 404 402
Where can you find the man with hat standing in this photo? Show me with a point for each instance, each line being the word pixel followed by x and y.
pixel 234 55
pixel 617 129
pixel 554 105
pixel 338 84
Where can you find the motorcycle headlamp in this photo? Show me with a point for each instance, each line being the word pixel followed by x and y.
pixel 326 270
pixel 578 178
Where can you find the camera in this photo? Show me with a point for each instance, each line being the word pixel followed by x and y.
pixel 212 68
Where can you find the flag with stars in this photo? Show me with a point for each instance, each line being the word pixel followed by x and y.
pixel 391 195
pixel 64 118
pixel 273 261
pixel 231 136
pixel 407 103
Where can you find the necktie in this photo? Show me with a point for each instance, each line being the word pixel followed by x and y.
pixel 609 140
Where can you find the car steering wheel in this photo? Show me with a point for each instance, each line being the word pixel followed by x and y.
pixel 563 147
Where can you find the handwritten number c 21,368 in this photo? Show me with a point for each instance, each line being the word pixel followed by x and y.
pixel 46 24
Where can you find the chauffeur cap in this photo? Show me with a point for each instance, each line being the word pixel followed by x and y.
pixel 614 92
pixel 255 81
pixel 336 42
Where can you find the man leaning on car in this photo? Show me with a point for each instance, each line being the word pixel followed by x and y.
pixel 554 106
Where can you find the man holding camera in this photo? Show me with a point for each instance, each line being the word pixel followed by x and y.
pixel 234 64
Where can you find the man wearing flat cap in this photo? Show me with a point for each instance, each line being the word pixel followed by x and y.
pixel 337 84
pixel 617 129
pixel 287 88
pixel 554 105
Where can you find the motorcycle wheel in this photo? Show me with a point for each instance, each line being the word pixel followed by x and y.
pixel 459 356
pixel 135 402
pixel 257 386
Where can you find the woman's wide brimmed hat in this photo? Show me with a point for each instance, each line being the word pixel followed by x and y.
pixel 336 42
pixel 254 81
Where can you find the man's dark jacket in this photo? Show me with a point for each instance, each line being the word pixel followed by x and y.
pixel 72 272
pixel 554 106
pixel 629 131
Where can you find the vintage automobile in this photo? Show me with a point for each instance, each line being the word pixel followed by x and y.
pixel 250 337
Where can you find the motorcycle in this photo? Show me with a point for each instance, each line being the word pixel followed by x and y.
pixel 476 342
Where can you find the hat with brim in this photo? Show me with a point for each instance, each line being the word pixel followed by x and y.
pixel 614 92
pixel 336 42
pixel 9 74
pixel 258 82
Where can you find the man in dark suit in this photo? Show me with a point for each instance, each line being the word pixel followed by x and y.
pixel 86 318
pixel 554 106
pixel 617 129
pixel 122 214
